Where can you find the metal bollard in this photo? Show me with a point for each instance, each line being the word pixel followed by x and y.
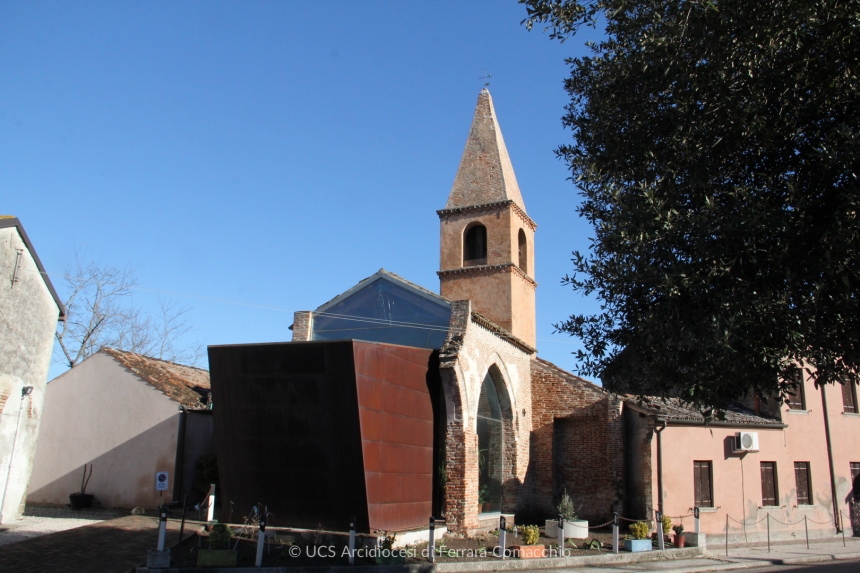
pixel 432 546
pixel 352 541
pixel 502 535
pixel 615 533
pixel 696 525
pixel 210 514
pixel 560 535
pixel 727 534
pixel 162 527
pixel 806 529
pixel 768 532
pixel 661 543
pixel 261 540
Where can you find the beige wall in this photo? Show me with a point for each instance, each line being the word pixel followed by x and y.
pixel 28 320
pixel 100 413
pixel 737 478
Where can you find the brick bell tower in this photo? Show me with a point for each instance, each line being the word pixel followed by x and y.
pixel 487 239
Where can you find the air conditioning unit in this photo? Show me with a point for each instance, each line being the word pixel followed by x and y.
pixel 746 441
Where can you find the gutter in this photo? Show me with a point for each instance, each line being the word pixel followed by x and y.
pixel 180 455
pixel 659 433
pixel 835 501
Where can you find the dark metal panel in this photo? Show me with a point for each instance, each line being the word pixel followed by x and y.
pixel 396 416
pixel 287 432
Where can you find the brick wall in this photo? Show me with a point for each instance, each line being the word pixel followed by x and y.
pixel 469 353
pixel 577 444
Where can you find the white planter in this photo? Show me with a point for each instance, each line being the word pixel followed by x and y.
pixel 577 529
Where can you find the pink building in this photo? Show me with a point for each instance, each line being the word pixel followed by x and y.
pixel 785 469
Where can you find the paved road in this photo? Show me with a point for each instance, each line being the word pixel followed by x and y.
pixel 849 567
pixel 113 546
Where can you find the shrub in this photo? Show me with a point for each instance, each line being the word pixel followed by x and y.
pixel 566 507
pixel 667 523
pixel 679 529
pixel 640 530
pixel 530 534
pixel 219 536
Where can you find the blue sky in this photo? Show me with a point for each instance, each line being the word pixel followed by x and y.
pixel 250 159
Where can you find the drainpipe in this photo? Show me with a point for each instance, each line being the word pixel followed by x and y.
pixel 659 432
pixel 25 391
pixel 180 455
pixel 830 460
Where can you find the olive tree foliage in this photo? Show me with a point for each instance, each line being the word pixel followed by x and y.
pixel 716 147
pixel 101 311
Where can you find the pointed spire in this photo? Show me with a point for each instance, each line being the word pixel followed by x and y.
pixel 485 174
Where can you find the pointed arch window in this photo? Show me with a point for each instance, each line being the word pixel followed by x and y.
pixel 475 246
pixel 490 430
pixel 523 251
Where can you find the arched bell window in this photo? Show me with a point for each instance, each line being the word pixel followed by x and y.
pixel 524 252
pixel 475 246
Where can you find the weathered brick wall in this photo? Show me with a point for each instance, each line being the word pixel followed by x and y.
pixel 577 444
pixel 469 353
pixel 302 325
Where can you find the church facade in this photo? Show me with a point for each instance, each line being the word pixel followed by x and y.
pixel 517 430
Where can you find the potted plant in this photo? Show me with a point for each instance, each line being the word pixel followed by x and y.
pixel 219 553
pixel 680 539
pixel 529 534
pixel 387 555
pixel 666 526
pixel 573 527
pixel 82 499
pixel 484 499
pixel 638 540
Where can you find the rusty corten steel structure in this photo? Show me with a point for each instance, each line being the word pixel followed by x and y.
pixel 321 431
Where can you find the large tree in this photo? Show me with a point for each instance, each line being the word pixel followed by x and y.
pixel 716 146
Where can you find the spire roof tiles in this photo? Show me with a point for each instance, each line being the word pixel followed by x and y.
pixel 486 174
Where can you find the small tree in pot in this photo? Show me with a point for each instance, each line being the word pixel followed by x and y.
pixel 82 499
pixel 573 527
pixel 680 538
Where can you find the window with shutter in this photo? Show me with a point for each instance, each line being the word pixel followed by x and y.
pixel 794 396
pixel 801 478
pixel 702 480
pixel 849 394
pixel 769 490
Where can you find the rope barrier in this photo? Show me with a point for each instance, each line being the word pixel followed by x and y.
pixel 681 516
pixel 819 522
pixel 610 522
pixel 744 522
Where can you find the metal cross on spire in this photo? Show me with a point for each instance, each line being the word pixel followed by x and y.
pixel 486 77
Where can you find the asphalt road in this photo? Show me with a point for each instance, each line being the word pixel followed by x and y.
pixel 825 567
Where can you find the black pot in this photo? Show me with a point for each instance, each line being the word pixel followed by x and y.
pixel 81 500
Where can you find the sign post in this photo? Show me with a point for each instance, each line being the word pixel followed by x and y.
pixel 161 481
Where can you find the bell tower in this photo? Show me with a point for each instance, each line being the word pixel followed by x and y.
pixel 487 239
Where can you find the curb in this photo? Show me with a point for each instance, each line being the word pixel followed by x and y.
pixel 463 566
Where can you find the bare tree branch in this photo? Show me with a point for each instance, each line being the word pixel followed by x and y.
pixel 101 311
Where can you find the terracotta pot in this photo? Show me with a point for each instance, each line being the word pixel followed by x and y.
pixel 529 551
pixel 680 541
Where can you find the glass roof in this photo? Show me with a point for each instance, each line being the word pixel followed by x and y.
pixel 385 311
